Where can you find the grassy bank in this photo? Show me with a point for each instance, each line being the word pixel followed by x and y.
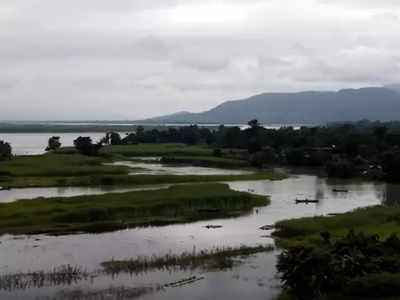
pixel 100 213
pixel 131 180
pixel 52 164
pixel 66 167
pixel 157 150
pixel 207 161
pixel 349 256
pixel 379 220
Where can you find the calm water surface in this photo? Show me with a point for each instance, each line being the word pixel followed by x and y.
pixel 35 143
pixel 254 279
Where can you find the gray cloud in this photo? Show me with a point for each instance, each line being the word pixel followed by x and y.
pixel 101 59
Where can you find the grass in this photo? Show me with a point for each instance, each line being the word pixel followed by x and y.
pixel 206 260
pixel 215 259
pixel 52 165
pixel 207 161
pixel 101 213
pixel 151 149
pixel 65 167
pixel 61 275
pixel 131 180
pixel 379 220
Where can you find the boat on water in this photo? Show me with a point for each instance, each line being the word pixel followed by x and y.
pixel 306 201
pixel 336 190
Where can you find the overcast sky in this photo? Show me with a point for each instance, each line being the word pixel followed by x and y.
pixel 130 59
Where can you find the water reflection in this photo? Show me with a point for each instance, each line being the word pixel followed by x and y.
pixel 254 280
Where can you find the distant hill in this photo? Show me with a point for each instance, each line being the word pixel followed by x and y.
pixel 394 87
pixel 304 107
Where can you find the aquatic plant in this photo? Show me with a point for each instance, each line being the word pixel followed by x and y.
pixel 217 258
pixel 65 274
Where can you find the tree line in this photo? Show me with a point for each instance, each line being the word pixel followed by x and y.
pixel 363 148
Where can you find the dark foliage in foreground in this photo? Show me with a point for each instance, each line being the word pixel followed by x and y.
pixel 356 265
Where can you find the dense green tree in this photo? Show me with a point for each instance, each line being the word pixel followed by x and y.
pixel 5 150
pixel 53 143
pixel 85 146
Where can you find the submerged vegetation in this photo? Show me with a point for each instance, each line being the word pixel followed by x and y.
pixel 100 213
pixel 206 260
pixel 60 275
pixel 215 259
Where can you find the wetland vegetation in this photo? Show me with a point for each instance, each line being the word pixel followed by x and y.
pixel 318 253
pixel 214 259
pixel 99 213
pixel 321 255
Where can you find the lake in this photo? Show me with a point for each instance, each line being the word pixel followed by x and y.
pixel 35 143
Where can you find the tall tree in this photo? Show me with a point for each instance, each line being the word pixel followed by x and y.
pixel 53 143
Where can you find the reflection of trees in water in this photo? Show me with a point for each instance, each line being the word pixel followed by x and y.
pixel 391 194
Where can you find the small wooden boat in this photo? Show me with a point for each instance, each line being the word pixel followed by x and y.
pixel 340 190
pixel 267 227
pixel 213 226
pixel 306 201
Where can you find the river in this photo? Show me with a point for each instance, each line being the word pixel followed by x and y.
pixel 255 278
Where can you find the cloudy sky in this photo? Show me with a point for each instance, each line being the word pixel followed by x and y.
pixel 129 59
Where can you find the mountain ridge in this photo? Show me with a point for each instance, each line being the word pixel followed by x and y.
pixel 373 103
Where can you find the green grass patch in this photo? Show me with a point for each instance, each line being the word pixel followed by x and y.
pixel 379 220
pixel 52 164
pixel 65 167
pixel 131 180
pixel 363 259
pixel 151 149
pixel 215 259
pixel 207 161
pixel 101 213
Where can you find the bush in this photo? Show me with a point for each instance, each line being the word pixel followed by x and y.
pixel 375 285
pixel 84 146
pixel 355 264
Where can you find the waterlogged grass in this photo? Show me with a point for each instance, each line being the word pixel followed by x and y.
pixel 157 150
pixel 379 220
pixel 206 260
pixel 61 275
pixel 65 167
pixel 215 259
pixel 207 161
pixel 101 213
pixel 49 165
pixel 131 180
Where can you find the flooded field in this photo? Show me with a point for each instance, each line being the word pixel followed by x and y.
pixel 254 278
